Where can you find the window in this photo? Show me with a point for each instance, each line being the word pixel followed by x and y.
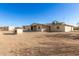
pixel 58 27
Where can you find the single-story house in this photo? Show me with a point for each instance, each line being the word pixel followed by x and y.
pixel 4 28
pixel 49 28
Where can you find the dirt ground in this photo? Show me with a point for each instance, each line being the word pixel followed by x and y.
pixel 39 44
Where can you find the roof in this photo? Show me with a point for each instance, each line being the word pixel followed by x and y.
pixel 62 24
pixel 68 25
pixel 48 24
pixel 38 24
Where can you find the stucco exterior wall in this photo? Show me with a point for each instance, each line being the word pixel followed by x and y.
pixel 39 28
pixel 19 31
pixel 45 27
pixel 72 28
pixel 55 29
pixel 68 28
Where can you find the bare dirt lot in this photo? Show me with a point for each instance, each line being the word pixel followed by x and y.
pixel 39 44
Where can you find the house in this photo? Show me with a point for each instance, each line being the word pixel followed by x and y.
pixel 61 28
pixel 4 28
pixel 49 27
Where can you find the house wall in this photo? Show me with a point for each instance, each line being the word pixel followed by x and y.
pixel 72 28
pixel 28 28
pixel 39 27
pixel 68 28
pixel 55 29
pixel 19 31
pixel 45 28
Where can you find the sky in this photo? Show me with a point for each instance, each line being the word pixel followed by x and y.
pixel 19 14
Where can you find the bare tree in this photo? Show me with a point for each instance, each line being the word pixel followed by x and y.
pixel 78 24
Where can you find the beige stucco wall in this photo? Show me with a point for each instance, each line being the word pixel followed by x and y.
pixel 19 31
pixel 40 28
pixel 68 28
pixel 45 27
pixel 54 28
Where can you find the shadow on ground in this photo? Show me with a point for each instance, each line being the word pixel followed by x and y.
pixel 9 33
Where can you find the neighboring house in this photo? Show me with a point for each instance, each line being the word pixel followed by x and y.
pixel 49 27
pixel 61 28
pixel 4 28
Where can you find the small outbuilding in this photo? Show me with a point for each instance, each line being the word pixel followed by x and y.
pixel 19 31
pixel 11 28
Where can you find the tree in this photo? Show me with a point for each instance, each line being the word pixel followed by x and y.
pixel 78 24
pixel 77 28
pixel 57 22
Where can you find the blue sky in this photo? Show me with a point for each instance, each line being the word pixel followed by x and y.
pixel 28 13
